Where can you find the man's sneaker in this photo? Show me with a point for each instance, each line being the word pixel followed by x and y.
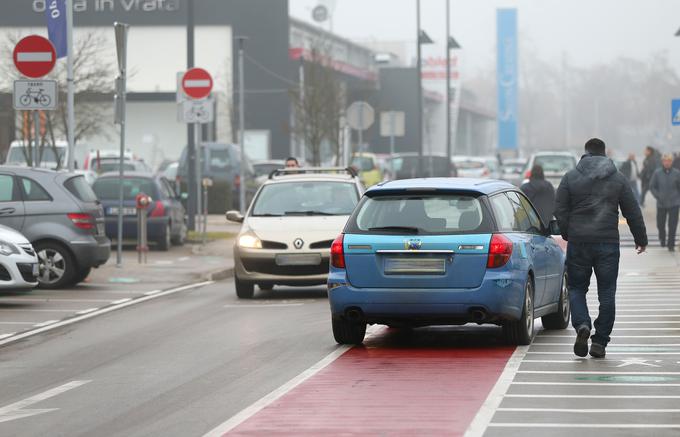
pixel 597 350
pixel 581 344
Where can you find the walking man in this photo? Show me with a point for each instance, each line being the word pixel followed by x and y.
pixel 665 187
pixel 541 193
pixel 630 170
pixel 651 162
pixel 587 212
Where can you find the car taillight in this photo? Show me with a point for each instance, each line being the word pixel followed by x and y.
pixel 82 221
pixel 338 253
pixel 500 250
pixel 158 209
pixel 527 175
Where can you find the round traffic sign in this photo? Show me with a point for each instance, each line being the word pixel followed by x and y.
pixel 34 56
pixel 197 83
pixel 360 115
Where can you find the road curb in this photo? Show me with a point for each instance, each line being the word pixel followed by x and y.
pixel 218 275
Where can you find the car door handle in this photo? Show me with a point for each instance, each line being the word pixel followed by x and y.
pixel 7 211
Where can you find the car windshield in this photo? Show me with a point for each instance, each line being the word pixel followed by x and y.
pixel 363 163
pixel 107 188
pixel 555 163
pixel 106 166
pixel 266 168
pixel 306 198
pixel 421 214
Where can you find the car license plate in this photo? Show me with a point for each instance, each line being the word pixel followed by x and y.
pixel 414 265
pixel 307 259
pixel 126 211
pixel 36 270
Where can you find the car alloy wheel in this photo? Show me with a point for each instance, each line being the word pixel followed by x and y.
pixel 56 265
pixel 560 318
pixel 521 331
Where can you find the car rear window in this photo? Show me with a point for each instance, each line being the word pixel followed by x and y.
pixel 107 188
pixel 306 198
pixel 420 214
pixel 79 187
pixel 363 163
pixel 555 163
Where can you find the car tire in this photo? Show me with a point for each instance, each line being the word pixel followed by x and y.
pixel 266 287
pixel 57 265
pixel 521 332
pixel 81 275
pixel 164 243
pixel 346 332
pixel 179 239
pixel 244 290
pixel 559 319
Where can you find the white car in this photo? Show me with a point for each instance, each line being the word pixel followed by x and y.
pixel 555 165
pixel 19 266
pixel 477 167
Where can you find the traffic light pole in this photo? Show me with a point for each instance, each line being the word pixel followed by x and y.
pixel 192 188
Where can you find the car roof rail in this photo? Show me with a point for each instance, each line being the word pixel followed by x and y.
pixel 313 170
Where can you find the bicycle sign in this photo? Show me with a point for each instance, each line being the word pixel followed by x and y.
pixel 197 111
pixel 35 94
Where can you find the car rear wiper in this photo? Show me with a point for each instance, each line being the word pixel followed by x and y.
pixel 409 229
pixel 311 212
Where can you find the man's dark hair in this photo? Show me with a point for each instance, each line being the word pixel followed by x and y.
pixel 292 158
pixel 537 172
pixel 595 146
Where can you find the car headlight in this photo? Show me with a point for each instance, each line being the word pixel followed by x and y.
pixel 249 241
pixel 8 248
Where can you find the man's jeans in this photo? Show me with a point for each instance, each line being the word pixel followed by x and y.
pixel 672 214
pixel 582 259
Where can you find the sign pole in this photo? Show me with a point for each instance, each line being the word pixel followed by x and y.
pixel 392 129
pixel 121 30
pixel 36 142
pixel 199 172
pixel 241 125
pixel 70 86
pixel 191 146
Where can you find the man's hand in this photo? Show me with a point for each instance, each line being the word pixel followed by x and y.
pixel 640 249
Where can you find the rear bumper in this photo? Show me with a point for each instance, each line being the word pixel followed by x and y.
pixel 91 252
pixel 499 298
pixel 259 266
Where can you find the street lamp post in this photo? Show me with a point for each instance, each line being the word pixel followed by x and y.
pixel 241 123
pixel 451 44
pixel 419 93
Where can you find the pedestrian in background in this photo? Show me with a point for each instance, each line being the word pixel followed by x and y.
pixel 665 186
pixel 676 160
pixel 292 162
pixel 587 211
pixel 629 168
pixel 541 193
pixel 650 164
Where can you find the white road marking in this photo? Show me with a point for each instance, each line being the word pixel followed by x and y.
pixel 163 263
pixel 119 301
pixel 600 384
pixel 608 353
pixel 45 323
pixel 594 372
pixel 615 344
pixel 263 402
pixel 646 322
pixel 9 334
pixel 47 299
pixel 590 410
pixel 16 410
pixel 32 310
pixel 586 425
pixel 575 360
pixel 617 336
pixel 88 310
pixel 18 323
pixel 269 305
pixel 184 258
pixel 560 396
pixel 152 292
pixel 100 312
pixel 495 397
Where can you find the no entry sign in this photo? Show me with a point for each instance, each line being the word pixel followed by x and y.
pixel 34 56
pixel 197 83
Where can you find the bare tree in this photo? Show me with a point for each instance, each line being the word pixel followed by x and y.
pixel 318 113
pixel 93 77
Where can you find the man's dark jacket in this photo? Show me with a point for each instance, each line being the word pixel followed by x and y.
pixel 665 186
pixel 542 195
pixel 588 201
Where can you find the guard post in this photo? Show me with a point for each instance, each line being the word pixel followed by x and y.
pixel 142 202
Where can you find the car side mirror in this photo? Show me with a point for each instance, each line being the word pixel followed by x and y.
pixel 554 228
pixel 234 216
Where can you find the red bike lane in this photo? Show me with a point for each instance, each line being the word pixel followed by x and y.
pixel 387 388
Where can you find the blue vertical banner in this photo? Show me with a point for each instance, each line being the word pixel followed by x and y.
pixel 56 25
pixel 507 78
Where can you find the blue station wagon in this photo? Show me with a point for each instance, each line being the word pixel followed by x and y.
pixel 422 252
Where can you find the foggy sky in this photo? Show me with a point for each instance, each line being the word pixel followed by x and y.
pixel 587 31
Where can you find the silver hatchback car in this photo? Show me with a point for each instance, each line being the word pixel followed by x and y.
pixel 60 215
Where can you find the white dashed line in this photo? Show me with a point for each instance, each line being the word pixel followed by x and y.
pixel 45 323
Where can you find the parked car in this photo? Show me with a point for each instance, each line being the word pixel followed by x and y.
pixel 405 166
pixel 48 156
pixel 104 161
pixel 19 267
pixel 511 170
pixel 170 173
pixel 222 164
pixel 367 166
pixel 555 165
pixel 287 232
pixel 264 168
pixel 477 167
pixel 166 218
pixel 446 252
pixel 61 217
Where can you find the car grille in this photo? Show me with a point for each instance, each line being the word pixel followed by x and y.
pixel 4 274
pixel 326 244
pixel 269 267
pixel 28 249
pixel 273 245
pixel 26 271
